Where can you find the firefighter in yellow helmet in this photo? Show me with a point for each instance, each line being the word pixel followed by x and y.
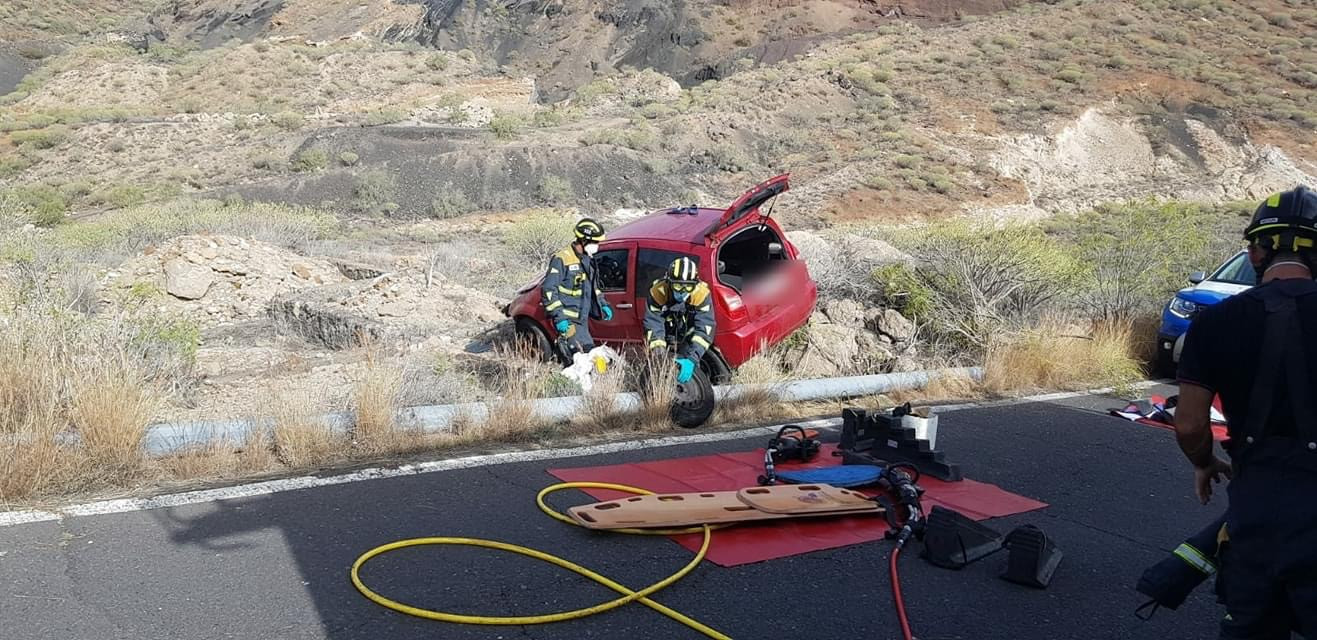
pixel 569 293
pixel 680 315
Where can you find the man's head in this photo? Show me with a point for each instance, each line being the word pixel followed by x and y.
pixel 683 275
pixel 588 236
pixel 1284 229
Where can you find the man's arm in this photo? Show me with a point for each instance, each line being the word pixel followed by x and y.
pixel 702 339
pixel 1193 423
pixel 1199 362
pixel 655 332
pixel 549 291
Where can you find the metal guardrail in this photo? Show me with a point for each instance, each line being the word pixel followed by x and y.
pixel 170 437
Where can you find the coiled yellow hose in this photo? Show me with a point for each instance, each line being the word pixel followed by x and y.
pixel 628 595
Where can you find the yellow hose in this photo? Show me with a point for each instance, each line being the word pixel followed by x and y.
pixel 628 596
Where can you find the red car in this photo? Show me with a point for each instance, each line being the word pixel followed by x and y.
pixel 761 288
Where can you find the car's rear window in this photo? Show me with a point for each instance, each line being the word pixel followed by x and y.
pixel 1237 271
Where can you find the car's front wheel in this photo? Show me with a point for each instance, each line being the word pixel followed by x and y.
pixel 533 340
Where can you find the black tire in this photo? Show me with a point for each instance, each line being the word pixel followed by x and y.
pixel 533 338
pixel 713 364
pixel 693 404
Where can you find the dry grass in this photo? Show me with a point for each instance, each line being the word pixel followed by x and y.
pixel 300 436
pixel 1056 356
pixel 375 406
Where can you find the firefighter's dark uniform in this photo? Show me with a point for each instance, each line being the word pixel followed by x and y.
pixel 1257 350
pixel 569 293
pixel 689 326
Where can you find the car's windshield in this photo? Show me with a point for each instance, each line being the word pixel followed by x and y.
pixel 1237 270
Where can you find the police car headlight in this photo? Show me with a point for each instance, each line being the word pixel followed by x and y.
pixel 1184 308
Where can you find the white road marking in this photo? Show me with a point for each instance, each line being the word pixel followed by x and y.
pixel 12 518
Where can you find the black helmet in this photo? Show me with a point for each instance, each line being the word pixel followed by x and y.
pixel 588 231
pixel 1286 221
pixel 683 270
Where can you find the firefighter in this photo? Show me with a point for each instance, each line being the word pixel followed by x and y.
pixel 1257 351
pixel 569 292
pixel 680 315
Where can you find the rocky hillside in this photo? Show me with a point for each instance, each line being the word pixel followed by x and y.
pixel 454 137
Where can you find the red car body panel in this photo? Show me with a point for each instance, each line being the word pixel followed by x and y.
pixel 749 320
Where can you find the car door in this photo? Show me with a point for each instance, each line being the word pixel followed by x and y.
pixel 615 271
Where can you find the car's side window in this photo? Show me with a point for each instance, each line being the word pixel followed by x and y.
pixel 652 264
pixel 611 269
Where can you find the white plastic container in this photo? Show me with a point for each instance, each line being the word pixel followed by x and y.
pixel 925 428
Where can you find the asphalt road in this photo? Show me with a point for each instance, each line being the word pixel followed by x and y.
pixel 276 566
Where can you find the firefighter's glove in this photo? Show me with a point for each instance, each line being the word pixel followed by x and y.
pixel 608 313
pixel 687 370
pixel 563 327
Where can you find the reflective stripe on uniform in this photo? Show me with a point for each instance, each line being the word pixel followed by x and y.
pixel 700 340
pixel 556 304
pixel 571 313
pixel 570 292
pixel 1195 558
pixel 658 344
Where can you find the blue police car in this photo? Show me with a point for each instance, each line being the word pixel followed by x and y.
pixel 1232 277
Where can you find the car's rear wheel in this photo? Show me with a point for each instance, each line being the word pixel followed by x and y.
pixel 693 402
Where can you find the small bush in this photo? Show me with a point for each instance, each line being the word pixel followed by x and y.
pixel 116 145
pixel 374 189
pixel 385 116
pixel 267 161
pixel 1069 75
pixel 505 126
pixel 47 138
pixel 120 196
pixel 536 237
pixel 554 190
pixel 288 120
pixel 1282 20
pixel 44 205
pixel 548 118
pixel 437 62
pixel 348 159
pixel 450 202
pixel 311 160
pixel 879 183
pixel 13 165
pixel 729 158
pixel 906 161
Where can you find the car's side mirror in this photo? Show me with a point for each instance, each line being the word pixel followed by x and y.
pixel 1197 277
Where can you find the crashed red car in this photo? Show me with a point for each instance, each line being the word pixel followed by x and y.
pixel 761 288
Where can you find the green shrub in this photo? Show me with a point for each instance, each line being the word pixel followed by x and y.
pixel 979 282
pixel 13 165
pixel 554 190
pixel 536 237
pixel 373 190
pixel 288 120
pixel 549 118
pixel 450 202
pixel 311 160
pixel 590 93
pixel 505 126
pixel 437 62
pixel 879 183
pixel 119 196
pixel 267 161
pixel 43 204
pixel 34 121
pixel 385 116
pixel 348 159
pixel 729 158
pixel 902 290
pixel 46 138
pixel 1070 75
pixel 907 161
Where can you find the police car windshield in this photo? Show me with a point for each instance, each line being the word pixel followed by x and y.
pixel 1237 270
